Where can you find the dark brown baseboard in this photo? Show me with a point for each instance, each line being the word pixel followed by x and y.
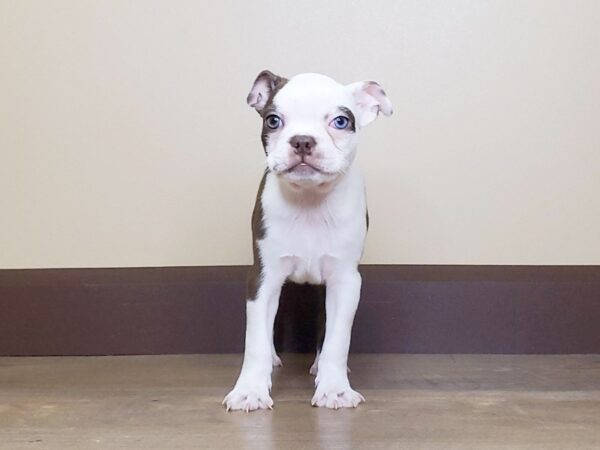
pixel 413 309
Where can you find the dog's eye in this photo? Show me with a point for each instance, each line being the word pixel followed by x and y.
pixel 273 122
pixel 340 122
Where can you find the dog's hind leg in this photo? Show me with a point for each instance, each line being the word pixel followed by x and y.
pixel 273 306
pixel 321 318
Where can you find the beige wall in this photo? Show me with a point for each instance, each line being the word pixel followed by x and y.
pixel 125 139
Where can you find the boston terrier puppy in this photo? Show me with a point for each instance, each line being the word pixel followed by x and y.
pixel 309 224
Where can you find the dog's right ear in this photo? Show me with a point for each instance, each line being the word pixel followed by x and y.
pixel 264 87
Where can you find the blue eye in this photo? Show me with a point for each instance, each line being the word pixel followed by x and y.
pixel 340 122
pixel 272 121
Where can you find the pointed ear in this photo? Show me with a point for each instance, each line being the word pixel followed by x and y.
pixel 370 100
pixel 264 87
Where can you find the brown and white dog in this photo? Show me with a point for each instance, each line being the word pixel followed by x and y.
pixel 309 224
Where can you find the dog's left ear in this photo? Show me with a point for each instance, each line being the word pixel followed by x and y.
pixel 370 99
pixel 264 86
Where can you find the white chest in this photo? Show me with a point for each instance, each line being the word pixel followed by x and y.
pixel 307 247
pixel 310 241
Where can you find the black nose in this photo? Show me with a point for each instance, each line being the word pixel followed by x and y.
pixel 303 145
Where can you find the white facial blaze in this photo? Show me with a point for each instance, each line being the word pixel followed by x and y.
pixel 307 104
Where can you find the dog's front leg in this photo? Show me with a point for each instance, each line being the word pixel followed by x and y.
pixel 254 383
pixel 332 386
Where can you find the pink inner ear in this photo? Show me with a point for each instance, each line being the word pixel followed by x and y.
pixel 376 91
pixel 370 98
pixel 264 84
pixel 258 94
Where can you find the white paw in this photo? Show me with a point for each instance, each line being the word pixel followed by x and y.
pixel 335 392
pixel 277 361
pixel 248 399
pixel 335 398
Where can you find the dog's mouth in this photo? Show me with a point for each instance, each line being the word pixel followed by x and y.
pixel 303 168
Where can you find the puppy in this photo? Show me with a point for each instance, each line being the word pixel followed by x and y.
pixel 309 224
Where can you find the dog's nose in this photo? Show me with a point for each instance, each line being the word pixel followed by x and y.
pixel 302 144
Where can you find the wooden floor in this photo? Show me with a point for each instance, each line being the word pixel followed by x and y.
pixel 413 402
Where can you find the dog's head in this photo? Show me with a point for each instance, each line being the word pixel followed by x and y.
pixel 311 123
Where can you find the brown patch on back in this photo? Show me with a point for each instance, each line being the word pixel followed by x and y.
pixel 254 277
